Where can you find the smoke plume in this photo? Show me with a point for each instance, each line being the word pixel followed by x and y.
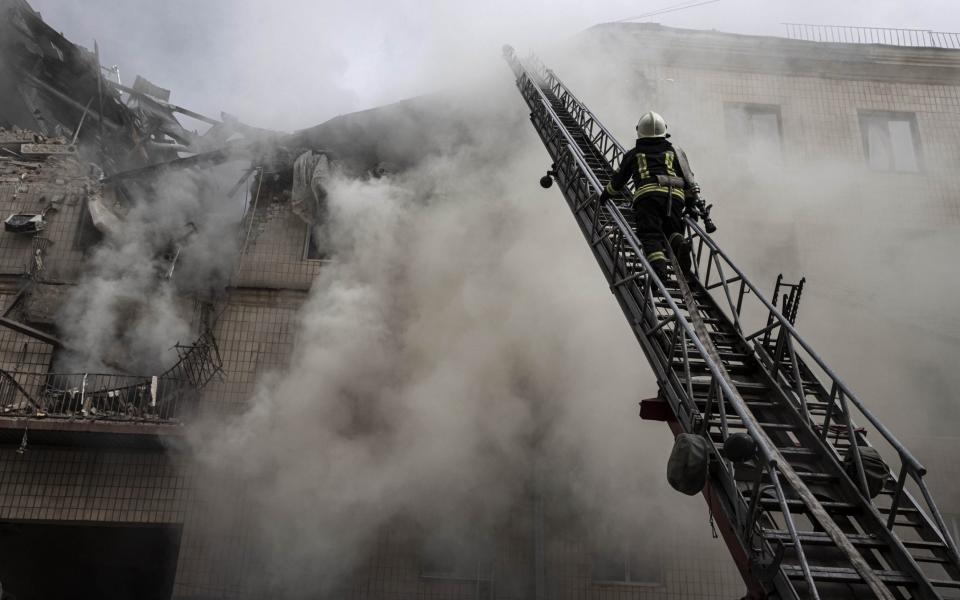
pixel 460 332
pixel 127 312
pixel 462 336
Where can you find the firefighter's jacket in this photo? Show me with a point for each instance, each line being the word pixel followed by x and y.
pixel 655 166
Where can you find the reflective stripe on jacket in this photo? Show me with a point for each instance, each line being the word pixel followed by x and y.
pixel 643 163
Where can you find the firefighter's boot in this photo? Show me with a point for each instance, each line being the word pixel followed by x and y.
pixel 683 250
pixel 658 260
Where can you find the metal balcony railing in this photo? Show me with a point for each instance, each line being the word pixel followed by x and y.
pixel 843 34
pixel 94 396
pixel 165 398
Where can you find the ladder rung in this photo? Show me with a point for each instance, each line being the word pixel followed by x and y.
pixel 701 366
pixel 910 524
pixel 725 355
pixel 796 451
pixel 819 538
pixel 748 474
pixel 846 575
pixel 752 404
pixel 903 510
pixel 738 424
pixel 933 560
pixel 740 385
pixel 841 508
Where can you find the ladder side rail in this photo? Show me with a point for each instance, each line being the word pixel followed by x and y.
pixel 684 405
pixel 787 391
pixel 631 303
pixel 914 468
pixel 617 217
pixel 850 487
pixel 934 521
pixel 631 298
pixel 616 150
pixel 743 280
pixel 856 438
pixel 716 254
pixel 770 458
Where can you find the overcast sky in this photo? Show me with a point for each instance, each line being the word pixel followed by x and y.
pixel 294 63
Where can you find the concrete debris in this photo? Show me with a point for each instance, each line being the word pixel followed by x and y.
pixel 106 210
pixel 142 86
pixel 47 149
pixel 52 86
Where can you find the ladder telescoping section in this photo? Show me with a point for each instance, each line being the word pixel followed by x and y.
pixel 798 517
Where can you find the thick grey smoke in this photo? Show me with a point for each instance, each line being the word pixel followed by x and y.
pixel 461 331
pixel 463 335
pixel 127 312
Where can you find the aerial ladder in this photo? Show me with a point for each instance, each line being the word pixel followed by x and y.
pixel 799 516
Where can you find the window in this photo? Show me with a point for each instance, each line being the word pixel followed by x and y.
pixel 462 568
pixel 890 141
pixel 455 560
pixel 753 130
pixel 87 233
pixel 635 562
pixel 312 249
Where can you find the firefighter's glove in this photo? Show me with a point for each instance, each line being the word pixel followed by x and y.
pixel 604 197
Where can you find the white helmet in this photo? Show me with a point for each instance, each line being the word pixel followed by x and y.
pixel 651 125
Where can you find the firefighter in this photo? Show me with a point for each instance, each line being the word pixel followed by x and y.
pixel 663 188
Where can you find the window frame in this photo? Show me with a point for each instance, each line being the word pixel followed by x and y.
pixel 864 116
pixel 624 550
pixel 747 108
pixel 481 567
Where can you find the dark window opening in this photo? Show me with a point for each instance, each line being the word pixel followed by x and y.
pixel 452 560
pixel 891 141
pixel 636 562
pixel 87 234
pixel 754 130
pixel 106 562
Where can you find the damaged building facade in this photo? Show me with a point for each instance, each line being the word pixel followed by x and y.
pixel 95 479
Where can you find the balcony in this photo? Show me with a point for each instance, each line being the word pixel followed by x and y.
pixel 106 408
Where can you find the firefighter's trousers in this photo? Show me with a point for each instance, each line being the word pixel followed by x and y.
pixel 659 221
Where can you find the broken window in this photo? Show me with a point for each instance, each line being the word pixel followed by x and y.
pixel 753 130
pixel 890 141
pixel 635 561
